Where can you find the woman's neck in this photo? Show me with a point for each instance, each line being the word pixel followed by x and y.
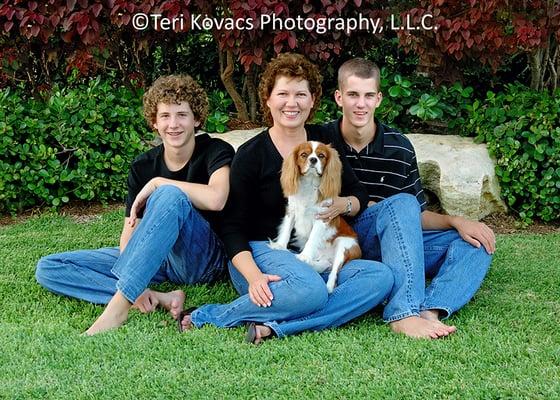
pixel 286 139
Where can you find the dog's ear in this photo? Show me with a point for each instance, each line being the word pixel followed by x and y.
pixel 332 176
pixel 289 179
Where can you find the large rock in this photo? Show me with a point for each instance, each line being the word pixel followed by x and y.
pixel 460 173
pixel 237 138
pixel 457 170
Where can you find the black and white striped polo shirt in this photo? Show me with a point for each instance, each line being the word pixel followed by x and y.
pixel 386 166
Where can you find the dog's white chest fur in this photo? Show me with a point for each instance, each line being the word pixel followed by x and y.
pixel 303 206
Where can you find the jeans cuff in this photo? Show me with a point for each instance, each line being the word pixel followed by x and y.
pixel 402 315
pixel 193 319
pixel 276 329
pixel 440 309
pixel 127 293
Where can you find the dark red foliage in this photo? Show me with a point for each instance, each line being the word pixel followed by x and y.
pixel 485 30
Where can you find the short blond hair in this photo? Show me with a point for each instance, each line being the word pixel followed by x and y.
pixel 361 68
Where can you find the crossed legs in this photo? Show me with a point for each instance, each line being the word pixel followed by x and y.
pixel 391 231
pixel 116 312
pixel 173 242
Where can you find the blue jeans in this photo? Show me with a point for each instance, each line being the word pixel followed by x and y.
pixel 391 232
pixel 301 301
pixel 173 242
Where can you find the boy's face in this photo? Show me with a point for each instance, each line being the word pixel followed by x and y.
pixel 175 124
pixel 358 98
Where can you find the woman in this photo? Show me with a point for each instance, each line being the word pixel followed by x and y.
pixel 279 293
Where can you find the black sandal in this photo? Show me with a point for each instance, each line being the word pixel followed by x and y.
pixel 251 335
pixel 182 315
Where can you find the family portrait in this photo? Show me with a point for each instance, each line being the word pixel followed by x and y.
pixel 280 199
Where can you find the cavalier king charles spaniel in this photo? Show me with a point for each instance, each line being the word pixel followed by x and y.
pixel 311 178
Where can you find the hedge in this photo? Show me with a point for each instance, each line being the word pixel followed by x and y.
pixel 522 130
pixel 77 143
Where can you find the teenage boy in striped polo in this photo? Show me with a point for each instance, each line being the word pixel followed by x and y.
pixel 396 228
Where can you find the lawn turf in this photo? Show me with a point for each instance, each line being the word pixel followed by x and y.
pixel 507 345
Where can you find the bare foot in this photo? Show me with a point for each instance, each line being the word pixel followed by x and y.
pixel 433 315
pixel 430 315
pixel 146 302
pixel 114 315
pixel 417 327
pixel 262 332
pixel 171 301
pixel 186 323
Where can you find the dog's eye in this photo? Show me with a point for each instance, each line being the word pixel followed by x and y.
pixel 303 155
pixel 321 156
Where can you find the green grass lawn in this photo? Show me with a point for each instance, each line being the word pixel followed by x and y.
pixel 507 345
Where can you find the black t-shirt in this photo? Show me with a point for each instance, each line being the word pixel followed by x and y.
pixel 256 204
pixel 209 155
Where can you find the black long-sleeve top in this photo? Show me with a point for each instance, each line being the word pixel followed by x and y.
pixel 256 204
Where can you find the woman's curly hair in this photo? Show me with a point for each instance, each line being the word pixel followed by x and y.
pixel 174 89
pixel 290 65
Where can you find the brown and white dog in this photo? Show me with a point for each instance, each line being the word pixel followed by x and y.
pixel 311 174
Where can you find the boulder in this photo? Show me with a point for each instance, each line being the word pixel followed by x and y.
pixel 237 138
pixel 460 173
pixel 457 170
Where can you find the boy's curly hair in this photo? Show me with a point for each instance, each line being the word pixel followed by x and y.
pixel 290 65
pixel 174 89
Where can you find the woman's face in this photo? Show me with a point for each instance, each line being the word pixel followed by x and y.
pixel 290 102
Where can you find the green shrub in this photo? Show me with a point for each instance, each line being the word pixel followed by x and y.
pixel 455 101
pixel 428 108
pixel 78 143
pixel 218 117
pixel 216 122
pixel 446 105
pixel 522 130
pixel 398 95
pixel 327 111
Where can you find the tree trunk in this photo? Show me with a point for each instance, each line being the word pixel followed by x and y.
pixel 544 62
pixel 226 74
pixel 252 93
pixel 545 65
pixel 536 66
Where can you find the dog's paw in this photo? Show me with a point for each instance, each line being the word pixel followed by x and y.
pixel 276 246
pixel 331 284
pixel 305 258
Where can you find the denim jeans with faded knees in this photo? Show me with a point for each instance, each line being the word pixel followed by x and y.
pixel 173 242
pixel 391 231
pixel 301 301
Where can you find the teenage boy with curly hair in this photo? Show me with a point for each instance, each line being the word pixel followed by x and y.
pixel 175 193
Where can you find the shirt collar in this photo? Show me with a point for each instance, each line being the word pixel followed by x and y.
pixel 377 145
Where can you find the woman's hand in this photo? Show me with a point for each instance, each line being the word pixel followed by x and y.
pixel 332 208
pixel 259 291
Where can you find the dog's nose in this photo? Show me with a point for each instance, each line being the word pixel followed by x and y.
pixel 313 160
